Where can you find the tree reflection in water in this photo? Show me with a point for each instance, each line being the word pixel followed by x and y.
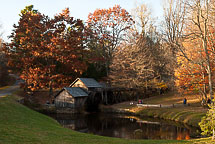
pixel 129 127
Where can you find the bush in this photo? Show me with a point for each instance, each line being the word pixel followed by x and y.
pixel 207 123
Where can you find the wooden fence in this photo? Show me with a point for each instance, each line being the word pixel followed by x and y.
pixel 162 105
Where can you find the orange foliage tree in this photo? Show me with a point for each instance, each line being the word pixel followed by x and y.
pixel 191 73
pixel 48 52
pixel 108 27
pixel 197 47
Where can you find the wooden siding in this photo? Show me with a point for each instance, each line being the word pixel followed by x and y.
pixel 80 84
pixel 64 96
pixel 65 100
pixel 60 104
pixel 79 102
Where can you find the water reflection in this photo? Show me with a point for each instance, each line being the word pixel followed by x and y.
pixel 128 127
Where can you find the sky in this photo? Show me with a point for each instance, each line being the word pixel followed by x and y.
pixel 10 9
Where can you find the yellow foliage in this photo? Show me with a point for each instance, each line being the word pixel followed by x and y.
pixel 162 85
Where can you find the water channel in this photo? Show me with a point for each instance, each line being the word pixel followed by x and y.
pixel 128 127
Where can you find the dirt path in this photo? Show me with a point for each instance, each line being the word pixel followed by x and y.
pixel 12 88
pixel 9 90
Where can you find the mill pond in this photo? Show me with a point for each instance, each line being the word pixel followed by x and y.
pixel 125 126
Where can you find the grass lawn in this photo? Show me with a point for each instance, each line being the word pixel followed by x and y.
pixel 174 98
pixel 19 124
pixel 184 115
pixel 189 114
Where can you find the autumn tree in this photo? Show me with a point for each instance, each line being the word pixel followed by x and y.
pixel 201 9
pixel 141 61
pixel 172 32
pixel 174 23
pixel 95 61
pixel 198 40
pixel 191 74
pixel 109 27
pixel 141 64
pixel 144 23
pixel 47 52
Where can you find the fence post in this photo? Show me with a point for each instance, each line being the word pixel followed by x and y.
pixel 160 105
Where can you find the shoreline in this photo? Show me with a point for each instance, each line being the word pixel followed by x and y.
pixel 190 118
pixel 187 115
pixel 182 115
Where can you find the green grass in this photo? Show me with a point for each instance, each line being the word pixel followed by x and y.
pixel 177 114
pixel 190 115
pixel 173 98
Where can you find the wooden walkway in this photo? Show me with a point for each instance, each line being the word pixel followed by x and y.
pixel 162 105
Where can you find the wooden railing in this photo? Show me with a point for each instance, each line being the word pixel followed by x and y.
pixel 162 105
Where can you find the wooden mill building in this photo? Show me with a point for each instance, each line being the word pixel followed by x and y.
pixel 76 95
pixel 71 97
pixel 94 90
pixel 87 92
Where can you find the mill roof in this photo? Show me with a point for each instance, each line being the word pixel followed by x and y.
pixel 89 82
pixel 74 91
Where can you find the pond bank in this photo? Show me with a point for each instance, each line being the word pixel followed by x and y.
pixel 188 115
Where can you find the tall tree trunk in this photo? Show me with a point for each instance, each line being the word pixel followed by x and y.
pixel 204 85
pixel 213 134
pixel 210 83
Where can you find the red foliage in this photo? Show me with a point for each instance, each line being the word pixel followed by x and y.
pixel 108 27
pixel 48 52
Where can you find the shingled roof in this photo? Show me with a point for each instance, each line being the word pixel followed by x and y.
pixel 74 91
pixel 89 82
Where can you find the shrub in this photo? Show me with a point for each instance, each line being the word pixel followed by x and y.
pixel 207 123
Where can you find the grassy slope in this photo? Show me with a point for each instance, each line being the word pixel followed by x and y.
pixel 19 124
pixel 190 115
pixel 172 98
pixel 176 114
